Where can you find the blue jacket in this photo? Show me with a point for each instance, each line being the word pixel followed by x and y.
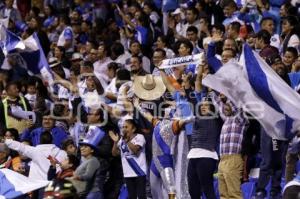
pixel 214 63
pixel 58 133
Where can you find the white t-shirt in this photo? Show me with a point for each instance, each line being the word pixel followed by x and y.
pixel 133 165
pixel 31 99
pixel 294 41
pixel 202 153
pixel 100 68
pixel 112 87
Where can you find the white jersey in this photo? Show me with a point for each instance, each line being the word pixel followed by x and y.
pixel 133 165
pixel 67 34
pixel 275 41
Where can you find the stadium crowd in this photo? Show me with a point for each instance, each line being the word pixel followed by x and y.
pixel 116 125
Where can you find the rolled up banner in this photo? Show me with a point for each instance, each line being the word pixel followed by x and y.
pixel 180 61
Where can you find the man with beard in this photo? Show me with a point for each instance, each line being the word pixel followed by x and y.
pixel 136 67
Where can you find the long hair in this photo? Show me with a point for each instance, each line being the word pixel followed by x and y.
pixel 98 85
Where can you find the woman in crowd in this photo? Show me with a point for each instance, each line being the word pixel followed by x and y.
pixel 131 147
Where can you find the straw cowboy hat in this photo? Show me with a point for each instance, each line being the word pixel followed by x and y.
pixel 148 87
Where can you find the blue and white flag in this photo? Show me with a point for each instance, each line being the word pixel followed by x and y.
pixel 255 87
pixel 28 54
pixel 36 59
pixel 9 41
pixel 13 184
pixel 141 34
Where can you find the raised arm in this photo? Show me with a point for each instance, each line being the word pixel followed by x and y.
pixel 198 82
pixel 24 149
pixel 211 59
pixel 167 83
pixel 115 137
pixel 125 18
pixel 147 115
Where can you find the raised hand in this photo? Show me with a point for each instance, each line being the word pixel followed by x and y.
pixel 115 137
pixel 136 102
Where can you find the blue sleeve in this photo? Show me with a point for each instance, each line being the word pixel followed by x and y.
pixel 185 110
pixel 246 17
pixel 212 61
pixel 176 96
pixel 59 135
pixel 141 34
pixel 35 139
pixel 26 135
pixel 295 79
pixel 190 68
pixel 68 34
pixel 200 95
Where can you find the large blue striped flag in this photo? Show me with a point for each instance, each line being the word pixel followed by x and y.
pixel 36 59
pixel 253 85
pixel 13 184
pixel 28 52
pixel 9 41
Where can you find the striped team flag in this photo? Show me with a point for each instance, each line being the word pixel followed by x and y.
pixel 28 53
pixel 9 41
pixel 253 85
pixel 13 184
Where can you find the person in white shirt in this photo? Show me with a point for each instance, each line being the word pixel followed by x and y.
pixel 31 93
pixel 118 53
pixel 158 56
pixel 10 12
pixel 112 75
pixel 100 66
pixel 66 38
pixel 268 24
pixel 131 147
pixel 191 19
pixel 291 39
pixel 162 43
pixel 135 50
pixel 39 155
pixel 112 91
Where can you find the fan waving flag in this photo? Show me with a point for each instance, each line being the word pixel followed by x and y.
pixel 9 41
pixel 272 89
pixel 36 59
pixel 255 87
pixel 13 184
pixel 28 54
